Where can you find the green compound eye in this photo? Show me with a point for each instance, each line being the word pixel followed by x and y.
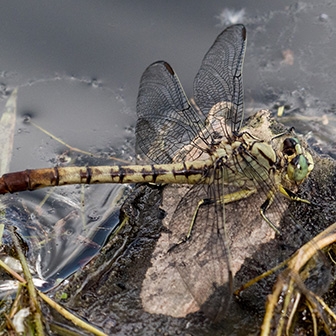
pixel 297 169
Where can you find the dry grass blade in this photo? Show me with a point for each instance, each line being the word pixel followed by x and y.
pixel 7 128
pixel 78 322
pixel 290 290
pixel 74 149
pixel 34 301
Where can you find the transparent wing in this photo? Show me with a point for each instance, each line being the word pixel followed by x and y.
pixel 203 261
pixel 166 120
pixel 219 79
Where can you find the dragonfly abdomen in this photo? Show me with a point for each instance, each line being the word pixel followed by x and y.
pixel 32 179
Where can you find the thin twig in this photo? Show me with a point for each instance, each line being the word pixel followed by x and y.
pixel 75 320
pixel 34 304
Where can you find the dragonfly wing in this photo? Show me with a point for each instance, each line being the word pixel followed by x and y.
pixel 203 261
pixel 219 79
pixel 166 120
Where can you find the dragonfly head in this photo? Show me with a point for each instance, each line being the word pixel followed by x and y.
pixel 300 162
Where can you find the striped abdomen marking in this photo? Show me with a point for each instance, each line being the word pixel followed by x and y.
pixel 181 173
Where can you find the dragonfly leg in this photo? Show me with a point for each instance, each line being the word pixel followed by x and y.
pixel 188 235
pixel 226 199
pixel 292 196
pixel 270 198
pixel 264 207
pixel 237 196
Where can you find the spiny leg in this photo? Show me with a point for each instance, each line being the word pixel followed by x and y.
pixel 225 199
pixel 292 196
pixel 270 199
pixel 187 236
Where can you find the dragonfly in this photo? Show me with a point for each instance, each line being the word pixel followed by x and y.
pixel 200 143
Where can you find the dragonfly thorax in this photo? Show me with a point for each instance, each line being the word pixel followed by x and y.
pixel 285 159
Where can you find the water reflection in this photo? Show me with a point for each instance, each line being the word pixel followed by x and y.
pixel 63 228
